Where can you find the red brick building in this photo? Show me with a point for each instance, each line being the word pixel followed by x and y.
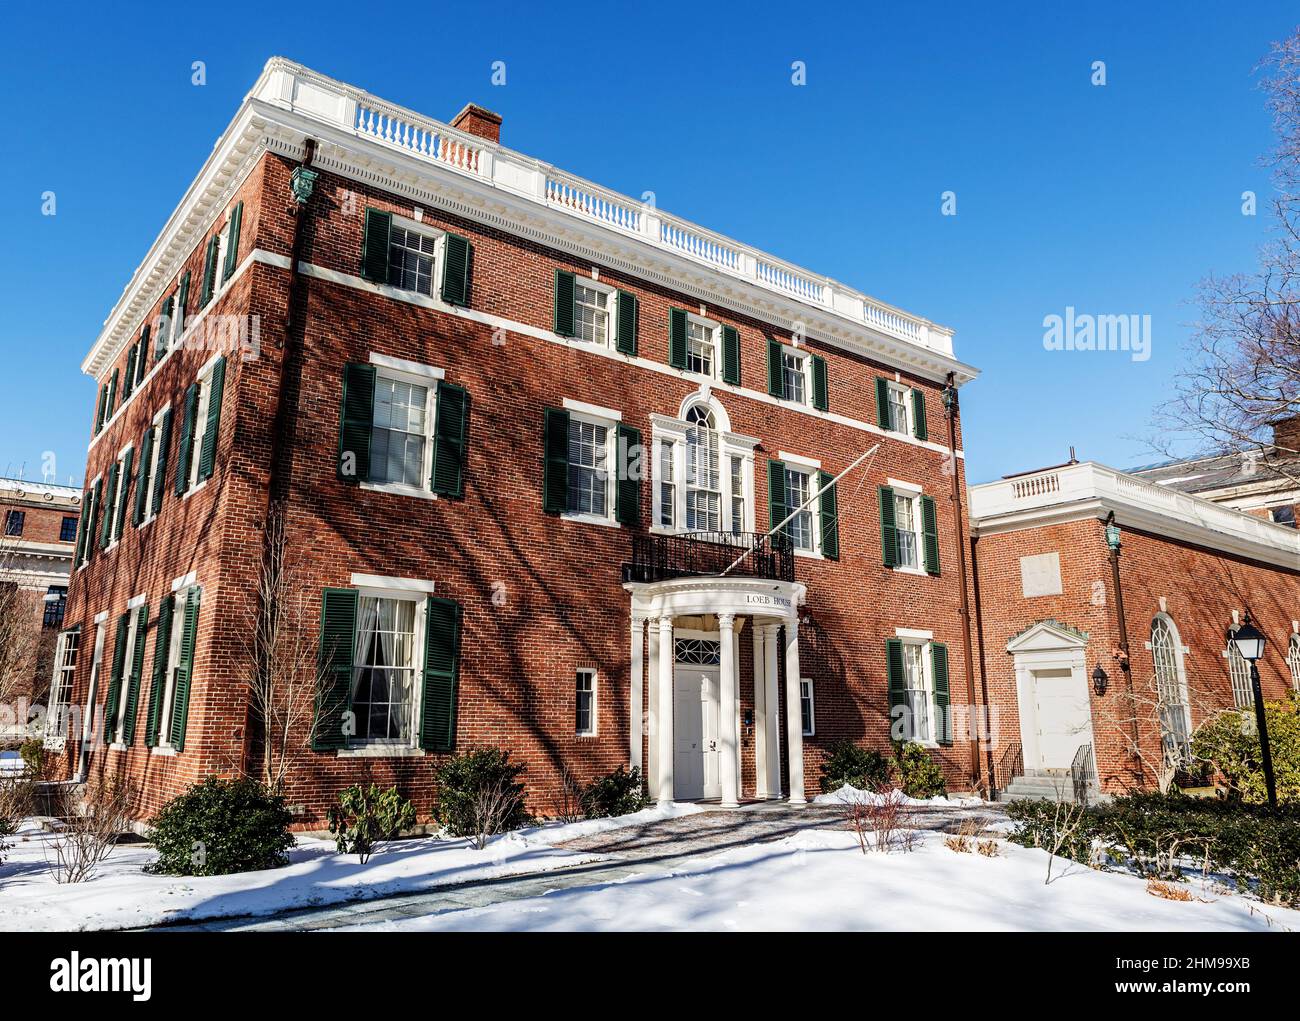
pixel 528 436
pixel 1049 614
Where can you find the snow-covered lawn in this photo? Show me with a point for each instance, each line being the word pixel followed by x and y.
pixel 121 895
pixel 820 880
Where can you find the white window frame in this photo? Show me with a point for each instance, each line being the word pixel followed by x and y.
pixel 180 600
pixel 155 452
pixel 88 729
pixel 925 656
pixel 813 510
pixel 896 388
pixel 804 370
pixel 116 524
pixel 128 664
pixel 90 511
pixel 430 383
pixel 57 717
pixel 714 331
pixel 439 239
pixel 1243 691
pixel 1293 660
pixel 608 420
pixel 1180 673
pixel 382 746
pixel 808 695
pixel 591 676
pixel 671 431
pixel 611 308
pixel 910 493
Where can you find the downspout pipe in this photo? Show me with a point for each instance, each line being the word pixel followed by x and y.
pixel 951 411
pixel 1122 653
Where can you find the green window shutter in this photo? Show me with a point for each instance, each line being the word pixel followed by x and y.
pixel 82 518
pixel 209 271
pixel 441 667
pixel 882 402
pixel 828 504
pixel 820 391
pixel 942 716
pixel 166 328
pixel 374 246
pixel 775 377
pixel 338 632
pixel 731 355
pixel 232 243
pixel 356 420
pixel 127 460
pixel 930 534
pixel 897 678
pixel 919 428
pixel 184 449
pixel 137 669
pixel 160 473
pixel 95 499
pixel 450 440
pixel 110 495
pixel 100 408
pixel 888 531
pixel 564 304
pixel 129 381
pixel 776 498
pixel 184 671
pixel 115 679
pixel 142 358
pixel 555 464
pixel 182 302
pixel 628 314
pixel 677 338
pixel 142 478
pixel 627 486
pixel 211 433
pixel 162 644
pixel 112 394
pixel 457 269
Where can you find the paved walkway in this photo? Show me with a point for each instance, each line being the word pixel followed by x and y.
pixel 677 844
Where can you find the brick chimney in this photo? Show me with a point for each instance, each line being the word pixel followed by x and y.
pixel 1286 433
pixel 475 120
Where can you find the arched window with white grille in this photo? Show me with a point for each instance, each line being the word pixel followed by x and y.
pixel 1239 672
pixel 1293 661
pixel 703 474
pixel 1171 688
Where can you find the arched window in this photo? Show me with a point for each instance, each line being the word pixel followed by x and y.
pixel 1293 661
pixel 703 476
pixel 1239 672
pixel 1171 688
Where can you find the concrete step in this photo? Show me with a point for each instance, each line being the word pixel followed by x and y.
pixel 1044 786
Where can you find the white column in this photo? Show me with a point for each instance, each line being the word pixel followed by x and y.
pixel 636 693
pixel 793 717
pixel 727 712
pixel 760 716
pixel 652 708
pixel 665 710
pixel 772 703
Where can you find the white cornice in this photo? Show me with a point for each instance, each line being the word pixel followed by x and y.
pixel 1089 490
pixel 289 104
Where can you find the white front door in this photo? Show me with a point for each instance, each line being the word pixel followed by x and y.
pixel 695 732
pixel 1062 717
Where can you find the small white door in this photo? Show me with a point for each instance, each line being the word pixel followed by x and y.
pixel 1063 717
pixel 695 732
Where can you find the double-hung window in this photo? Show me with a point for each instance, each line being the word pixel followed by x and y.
pixel 411 257
pixel 807 710
pixel 585 703
pixel 385 669
pixel 122 677
pixel 400 447
pixel 56 601
pixel 14 520
pixel 907 523
pixel 591 304
pixel 58 723
pixel 896 409
pixel 120 481
pixel 68 529
pixel 737 483
pixel 589 459
pixel 794 374
pixel 798 488
pixel 701 347
pixel 149 482
pixel 667 484
pixel 918 694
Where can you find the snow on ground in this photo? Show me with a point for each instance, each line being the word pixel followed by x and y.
pixel 850 795
pixel 11 762
pixel 121 895
pixel 820 880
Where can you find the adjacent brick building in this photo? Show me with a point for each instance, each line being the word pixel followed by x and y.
pixel 1048 613
pixel 526 437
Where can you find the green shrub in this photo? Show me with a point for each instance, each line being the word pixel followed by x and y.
pixel 1158 835
pixel 621 792
pixel 479 794
pixel 221 826
pixel 918 774
pixel 1230 742
pixel 366 817
pixel 847 763
pixel 7 829
pixel 33 754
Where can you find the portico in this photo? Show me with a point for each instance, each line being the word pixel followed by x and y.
pixel 685 646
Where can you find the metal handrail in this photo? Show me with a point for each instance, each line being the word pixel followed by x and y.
pixel 663 556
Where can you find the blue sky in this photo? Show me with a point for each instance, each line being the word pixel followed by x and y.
pixel 1113 200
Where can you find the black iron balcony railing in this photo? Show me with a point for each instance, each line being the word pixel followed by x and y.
pixel 657 557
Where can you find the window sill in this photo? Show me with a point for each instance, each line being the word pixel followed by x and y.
pixel 590 519
pixel 117 746
pixel 194 489
pixel 397 489
pixel 586 735
pixel 380 751
pixel 916 571
pixel 165 750
pixel 808 554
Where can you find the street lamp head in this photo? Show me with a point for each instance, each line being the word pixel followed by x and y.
pixel 1112 537
pixel 1249 640
pixel 1099 680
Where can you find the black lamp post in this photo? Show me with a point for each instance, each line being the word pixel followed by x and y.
pixel 1250 643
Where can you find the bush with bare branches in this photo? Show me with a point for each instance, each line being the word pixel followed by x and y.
pixel 89 832
pixel 880 816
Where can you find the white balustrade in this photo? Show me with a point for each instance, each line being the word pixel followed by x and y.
pixel 576 196
pixel 420 137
